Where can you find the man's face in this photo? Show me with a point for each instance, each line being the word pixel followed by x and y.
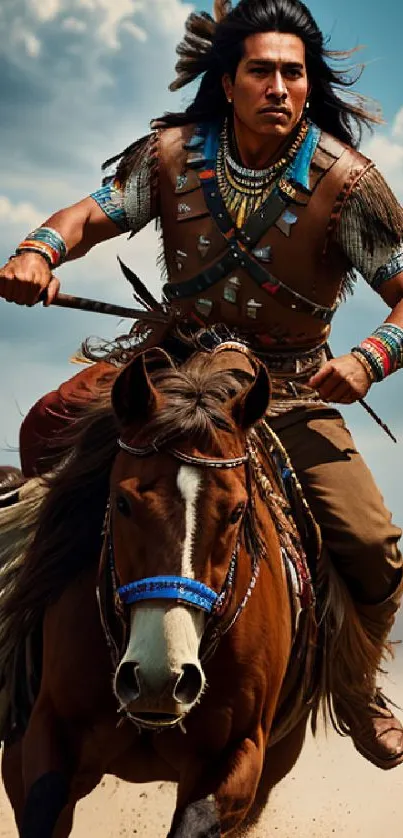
pixel 271 84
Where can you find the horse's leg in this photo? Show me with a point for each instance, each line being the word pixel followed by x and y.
pixel 279 761
pixel 45 772
pixel 214 802
pixel 11 770
pixel 81 786
pixel 64 825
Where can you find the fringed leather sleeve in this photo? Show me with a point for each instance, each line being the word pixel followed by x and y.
pixel 370 229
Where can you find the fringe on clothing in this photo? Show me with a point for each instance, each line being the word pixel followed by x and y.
pixel 372 212
pixel 367 223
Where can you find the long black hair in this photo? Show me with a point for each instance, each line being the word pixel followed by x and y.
pixel 212 49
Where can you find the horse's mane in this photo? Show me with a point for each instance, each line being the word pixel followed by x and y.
pixel 194 398
pixel 68 528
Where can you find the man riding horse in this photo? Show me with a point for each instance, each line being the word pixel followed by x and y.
pixel 267 210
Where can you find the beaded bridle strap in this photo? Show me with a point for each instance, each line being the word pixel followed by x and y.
pixel 189 459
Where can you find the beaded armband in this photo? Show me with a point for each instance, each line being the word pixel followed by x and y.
pixel 381 353
pixel 48 243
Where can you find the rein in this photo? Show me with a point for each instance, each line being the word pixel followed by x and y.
pixel 185 589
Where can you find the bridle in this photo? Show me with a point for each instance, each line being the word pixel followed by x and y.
pixel 184 589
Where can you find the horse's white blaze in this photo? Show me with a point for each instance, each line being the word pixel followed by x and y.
pixel 165 637
pixel 189 482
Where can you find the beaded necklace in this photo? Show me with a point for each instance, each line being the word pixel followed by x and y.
pixel 244 190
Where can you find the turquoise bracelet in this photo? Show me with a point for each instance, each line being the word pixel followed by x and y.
pixel 48 243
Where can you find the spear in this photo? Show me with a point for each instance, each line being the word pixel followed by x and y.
pixel 84 304
pixel 365 404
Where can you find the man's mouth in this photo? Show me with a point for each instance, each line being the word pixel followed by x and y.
pixel 272 109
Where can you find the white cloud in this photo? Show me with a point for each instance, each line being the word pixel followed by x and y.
pixel 168 15
pixel 31 43
pixel 112 17
pixel 22 214
pixel 45 9
pixel 138 33
pixel 171 14
pixel 386 150
pixel 397 129
pixel 73 24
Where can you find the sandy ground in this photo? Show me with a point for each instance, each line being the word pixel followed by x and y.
pixel 331 792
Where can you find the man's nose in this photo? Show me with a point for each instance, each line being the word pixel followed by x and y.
pixel 276 86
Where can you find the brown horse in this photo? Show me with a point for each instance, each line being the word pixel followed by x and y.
pixel 186 628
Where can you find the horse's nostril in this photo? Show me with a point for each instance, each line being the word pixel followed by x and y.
pixel 189 685
pixel 127 682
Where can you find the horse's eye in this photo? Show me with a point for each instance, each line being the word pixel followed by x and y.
pixel 236 513
pixel 123 506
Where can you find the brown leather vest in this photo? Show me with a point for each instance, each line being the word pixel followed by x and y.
pixel 302 254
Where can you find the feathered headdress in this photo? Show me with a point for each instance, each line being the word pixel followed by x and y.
pixel 195 49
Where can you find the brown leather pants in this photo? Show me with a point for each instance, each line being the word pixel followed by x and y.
pixel 356 527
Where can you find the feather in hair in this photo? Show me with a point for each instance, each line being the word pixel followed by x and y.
pixel 222 8
pixel 195 49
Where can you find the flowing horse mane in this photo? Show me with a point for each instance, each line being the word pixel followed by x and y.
pixel 55 530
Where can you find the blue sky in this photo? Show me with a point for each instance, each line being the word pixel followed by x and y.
pixel 80 80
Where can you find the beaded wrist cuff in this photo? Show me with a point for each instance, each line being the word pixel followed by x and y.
pixel 382 351
pixel 48 243
pixel 364 363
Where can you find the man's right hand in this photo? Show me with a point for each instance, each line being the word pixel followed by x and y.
pixel 27 277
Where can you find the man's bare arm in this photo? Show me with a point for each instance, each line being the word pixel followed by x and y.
pixel 25 277
pixel 392 293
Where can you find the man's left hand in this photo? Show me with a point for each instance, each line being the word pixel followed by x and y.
pixel 343 380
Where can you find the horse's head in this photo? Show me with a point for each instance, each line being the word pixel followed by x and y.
pixel 179 497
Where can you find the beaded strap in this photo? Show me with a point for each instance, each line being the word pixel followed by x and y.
pixel 48 243
pixel 382 352
pixel 364 363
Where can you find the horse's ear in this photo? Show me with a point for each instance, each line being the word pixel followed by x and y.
pixel 133 393
pixel 251 404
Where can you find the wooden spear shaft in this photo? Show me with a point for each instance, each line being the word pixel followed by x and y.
pixel 84 304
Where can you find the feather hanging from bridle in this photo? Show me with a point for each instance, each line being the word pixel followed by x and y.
pixel 195 49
